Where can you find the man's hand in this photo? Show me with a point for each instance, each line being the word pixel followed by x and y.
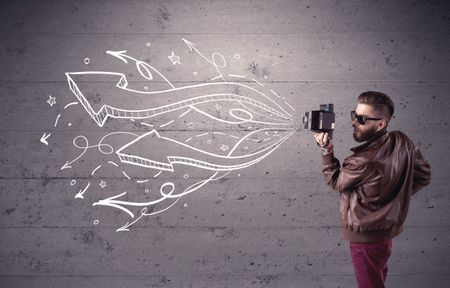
pixel 323 140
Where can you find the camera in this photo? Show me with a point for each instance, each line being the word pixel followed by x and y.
pixel 322 120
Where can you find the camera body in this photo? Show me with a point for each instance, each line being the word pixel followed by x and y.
pixel 322 120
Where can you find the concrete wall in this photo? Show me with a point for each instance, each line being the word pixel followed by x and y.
pixel 273 224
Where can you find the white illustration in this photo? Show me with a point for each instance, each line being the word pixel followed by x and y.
pixel 245 124
pixel 51 100
pixel 102 184
pixel 45 137
pixel 174 58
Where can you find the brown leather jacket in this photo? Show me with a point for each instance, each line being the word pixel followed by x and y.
pixel 375 185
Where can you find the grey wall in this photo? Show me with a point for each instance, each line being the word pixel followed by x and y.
pixel 273 225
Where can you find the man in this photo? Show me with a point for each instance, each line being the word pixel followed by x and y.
pixel 375 185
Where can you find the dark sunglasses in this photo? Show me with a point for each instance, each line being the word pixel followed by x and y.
pixel 361 119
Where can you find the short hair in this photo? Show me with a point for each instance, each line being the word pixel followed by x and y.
pixel 379 101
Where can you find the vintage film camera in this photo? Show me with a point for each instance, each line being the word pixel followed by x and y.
pixel 320 120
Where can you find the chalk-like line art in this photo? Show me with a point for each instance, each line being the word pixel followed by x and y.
pixel 51 100
pixel 165 124
pixel 81 192
pixel 213 61
pixel 252 124
pixel 56 121
pixel 45 137
pixel 100 146
pixel 113 163
pixel 146 124
pixel 70 104
pixel 237 76
pixel 174 58
pixel 143 68
pixel 93 171
pixel 274 93
pixel 184 113
pixel 126 175
pixel 257 82
pixel 203 134
pixel 102 184
pixel 219 162
pixel 289 106
pixel 258 101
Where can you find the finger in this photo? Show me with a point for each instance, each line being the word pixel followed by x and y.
pixel 317 136
pixel 322 138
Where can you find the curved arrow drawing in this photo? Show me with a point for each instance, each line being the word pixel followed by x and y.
pixel 199 158
pixel 253 97
pixel 81 192
pixel 140 65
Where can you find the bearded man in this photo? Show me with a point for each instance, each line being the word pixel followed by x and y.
pixel 375 185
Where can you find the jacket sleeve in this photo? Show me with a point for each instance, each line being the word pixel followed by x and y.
pixel 422 172
pixel 351 174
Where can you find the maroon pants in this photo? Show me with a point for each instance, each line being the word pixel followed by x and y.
pixel 370 262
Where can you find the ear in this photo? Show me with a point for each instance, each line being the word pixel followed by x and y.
pixel 382 124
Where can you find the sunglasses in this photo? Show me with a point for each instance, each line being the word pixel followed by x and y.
pixel 361 118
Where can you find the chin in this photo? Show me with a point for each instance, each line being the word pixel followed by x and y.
pixel 356 138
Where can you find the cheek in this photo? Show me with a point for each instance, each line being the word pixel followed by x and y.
pixel 363 128
pixel 358 127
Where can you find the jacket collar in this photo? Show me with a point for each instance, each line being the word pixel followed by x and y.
pixel 377 138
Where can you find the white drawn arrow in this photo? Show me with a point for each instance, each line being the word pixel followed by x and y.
pixel 198 158
pixel 44 138
pixel 66 165
pixel 142 67
pixel 112 202
pixel 119 54
pixel 193 48
pixel 144 213
pixel 110 108
pixel 80 193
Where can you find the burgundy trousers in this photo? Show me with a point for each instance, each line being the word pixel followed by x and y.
pixel 370 263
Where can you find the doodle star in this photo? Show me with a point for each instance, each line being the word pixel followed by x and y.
pixel 224 147
pixel 174 58
pixel 102 184
pixel 51 100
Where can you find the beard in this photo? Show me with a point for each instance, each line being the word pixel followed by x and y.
pixel 363 136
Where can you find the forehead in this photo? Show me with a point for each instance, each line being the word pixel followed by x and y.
pixel 365 109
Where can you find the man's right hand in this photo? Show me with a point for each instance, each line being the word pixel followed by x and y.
pixel 322 140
